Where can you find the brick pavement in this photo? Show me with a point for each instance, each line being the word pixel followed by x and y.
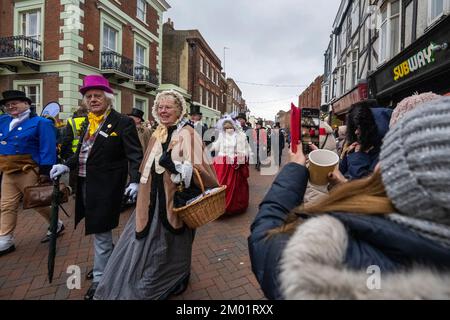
pixel 220 262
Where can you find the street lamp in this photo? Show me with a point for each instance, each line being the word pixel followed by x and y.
pixel 224 58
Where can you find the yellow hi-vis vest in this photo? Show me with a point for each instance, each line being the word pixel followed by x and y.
pixel 75 123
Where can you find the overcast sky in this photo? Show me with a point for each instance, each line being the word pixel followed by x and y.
pixel 276 42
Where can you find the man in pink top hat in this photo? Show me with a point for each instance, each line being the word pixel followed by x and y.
pixel 109 150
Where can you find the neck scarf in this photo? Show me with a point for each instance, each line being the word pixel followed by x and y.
pixel 95 121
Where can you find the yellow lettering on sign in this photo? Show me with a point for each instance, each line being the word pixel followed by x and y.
pixel 396 74
pixel 405 67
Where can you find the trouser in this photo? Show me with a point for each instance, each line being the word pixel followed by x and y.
pixel 103 243
pixel 13 186
pixel 103 247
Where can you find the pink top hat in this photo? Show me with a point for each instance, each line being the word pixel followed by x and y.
pixel 95 82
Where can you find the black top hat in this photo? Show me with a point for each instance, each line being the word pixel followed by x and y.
pixel 242 116
pixel 137 113
pixel 14 95
pixel 195 110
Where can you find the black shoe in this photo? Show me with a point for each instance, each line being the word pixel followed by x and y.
pixel 90 275
pixel 6 251
pixel 91 291
pixel 47 236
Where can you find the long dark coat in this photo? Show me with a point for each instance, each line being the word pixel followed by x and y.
pixel 107 172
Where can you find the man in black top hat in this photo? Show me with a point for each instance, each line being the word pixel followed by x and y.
pixel 144 132
pixel 243 121
pixel 196 121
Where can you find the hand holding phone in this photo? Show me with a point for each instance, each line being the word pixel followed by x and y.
pixel 309 129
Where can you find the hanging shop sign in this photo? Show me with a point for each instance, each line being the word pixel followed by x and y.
pixel 421 59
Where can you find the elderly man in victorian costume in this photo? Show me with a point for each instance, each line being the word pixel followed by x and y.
pixel 109 149
pixel 152 259
pixel 26 141
pixel 144 132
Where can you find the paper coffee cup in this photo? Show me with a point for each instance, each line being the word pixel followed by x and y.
pixel 321 163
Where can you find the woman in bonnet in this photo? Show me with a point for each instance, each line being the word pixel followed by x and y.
pixel 231 164
pixel 152 258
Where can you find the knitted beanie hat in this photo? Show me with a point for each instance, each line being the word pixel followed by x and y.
pixel 409 104
pixel 415 162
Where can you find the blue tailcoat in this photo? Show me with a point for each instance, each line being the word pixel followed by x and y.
pixel 35 136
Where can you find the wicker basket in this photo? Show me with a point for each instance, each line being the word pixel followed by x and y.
pixel 206 209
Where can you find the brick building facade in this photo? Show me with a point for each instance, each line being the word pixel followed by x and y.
pixel 191 67
pixel 47 47
pixel 311 97
pixel 235 103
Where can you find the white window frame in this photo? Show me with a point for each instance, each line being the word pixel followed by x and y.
pixel 386 56
pixel 354 67
pixel 118 96
pixel 108 47
pixel 202 62
pixel 114 24
pixel 355 17
pixel 146 103
pixel 207 69
pixel 138 10
pixel 24 7
pixel 138 40
pixel 445 11
pixel 200 93
pixel 28 83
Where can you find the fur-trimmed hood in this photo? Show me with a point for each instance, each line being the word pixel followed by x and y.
pixel 312 267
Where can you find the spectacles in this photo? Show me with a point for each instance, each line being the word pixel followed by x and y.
pixel 13 104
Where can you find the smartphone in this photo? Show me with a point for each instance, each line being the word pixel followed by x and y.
pixel 309 128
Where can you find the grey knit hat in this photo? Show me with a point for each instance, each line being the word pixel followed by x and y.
pixel 415 162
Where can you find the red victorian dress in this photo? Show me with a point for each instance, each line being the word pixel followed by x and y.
pixel 232 168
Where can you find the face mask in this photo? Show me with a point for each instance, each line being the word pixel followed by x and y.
pixel 229 131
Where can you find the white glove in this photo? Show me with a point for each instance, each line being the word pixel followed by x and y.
pixel 132 191
pixel 58 170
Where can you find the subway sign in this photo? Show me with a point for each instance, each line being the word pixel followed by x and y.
pixel 416 62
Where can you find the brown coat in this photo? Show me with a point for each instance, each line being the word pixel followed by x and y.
pixel 186 145
pixel 144 134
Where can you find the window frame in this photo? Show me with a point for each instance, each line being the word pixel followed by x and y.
pixel 29 83
pixel 389 54
pixel 138 10
pixel 113 24
pixel 146 104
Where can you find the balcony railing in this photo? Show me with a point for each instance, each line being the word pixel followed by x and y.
pixel 144 74
pixel 20 46
pixel 113 61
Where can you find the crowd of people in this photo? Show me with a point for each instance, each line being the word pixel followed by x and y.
pixel 386 208
pixel 385 205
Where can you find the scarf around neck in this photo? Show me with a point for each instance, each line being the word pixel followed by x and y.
pixel 95 121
